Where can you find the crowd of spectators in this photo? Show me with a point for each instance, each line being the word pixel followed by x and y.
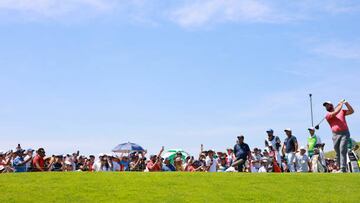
pixel 276 156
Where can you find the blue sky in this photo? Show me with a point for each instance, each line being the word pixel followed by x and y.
pixel 89 74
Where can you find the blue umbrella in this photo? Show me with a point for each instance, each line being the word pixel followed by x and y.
pixel 128 147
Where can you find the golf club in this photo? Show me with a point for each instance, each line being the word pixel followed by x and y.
pixel 317 127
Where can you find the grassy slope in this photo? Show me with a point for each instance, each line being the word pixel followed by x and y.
pixel 178 187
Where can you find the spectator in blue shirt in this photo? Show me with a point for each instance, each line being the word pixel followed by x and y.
pixel 242 152
pixel 19 163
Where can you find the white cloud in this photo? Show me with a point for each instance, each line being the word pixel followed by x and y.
pixel 50 8
pixel 200 12
pixel 339 49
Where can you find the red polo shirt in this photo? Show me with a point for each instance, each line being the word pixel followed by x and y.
pixel 38 160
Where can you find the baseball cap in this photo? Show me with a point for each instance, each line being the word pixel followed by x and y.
pixel 327 102
pixel 302 148
pixel 240 137
pixel 30 150
pixel 270 130
pixel 288 129
pixel 311 128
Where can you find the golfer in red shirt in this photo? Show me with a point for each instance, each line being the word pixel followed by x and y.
pixel 341 134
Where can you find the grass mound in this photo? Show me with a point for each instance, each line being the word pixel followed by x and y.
pixel 178 187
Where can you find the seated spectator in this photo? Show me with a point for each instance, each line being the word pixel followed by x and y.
pixel 167 166
pixel 155 162
pixel 316 162
pixel 19 162
pixel 222 164
pixel 178 163
pixel 211 162
pixel 302 161
pixel 39 161
pixel 58 164
pixel 28 159
pixel 124 163
pixel 255 160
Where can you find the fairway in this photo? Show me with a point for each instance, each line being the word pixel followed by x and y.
pixel 178 187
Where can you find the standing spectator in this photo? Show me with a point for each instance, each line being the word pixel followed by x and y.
pixel 275 142
pixel 242 152
pixel 314 141
pixel 211 162
pixel 19 162
pixel 289 149
pixel 302 161
pixel 38 161
pixel 341 134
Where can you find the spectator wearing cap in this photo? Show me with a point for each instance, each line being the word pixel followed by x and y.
pixel 302 161
pixel 211 162
pixel 230 157
pixel 289 149
pixel 167 166
pixel 38 161
pixel 336 117
pixel 242 152
pixel 255 160
pixel 155 162
pixel 274 142
pixel 19 162
pixel 313 141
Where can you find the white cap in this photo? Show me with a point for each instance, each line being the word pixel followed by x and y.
pixel 327 102
pixel 302 148
pixel 67 162
pixel 311 128
pixel 288 129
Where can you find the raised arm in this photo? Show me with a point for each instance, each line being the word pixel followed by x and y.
pixel 337 109
pixel 349 107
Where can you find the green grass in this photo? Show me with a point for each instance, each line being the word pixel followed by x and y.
pixel 178 187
